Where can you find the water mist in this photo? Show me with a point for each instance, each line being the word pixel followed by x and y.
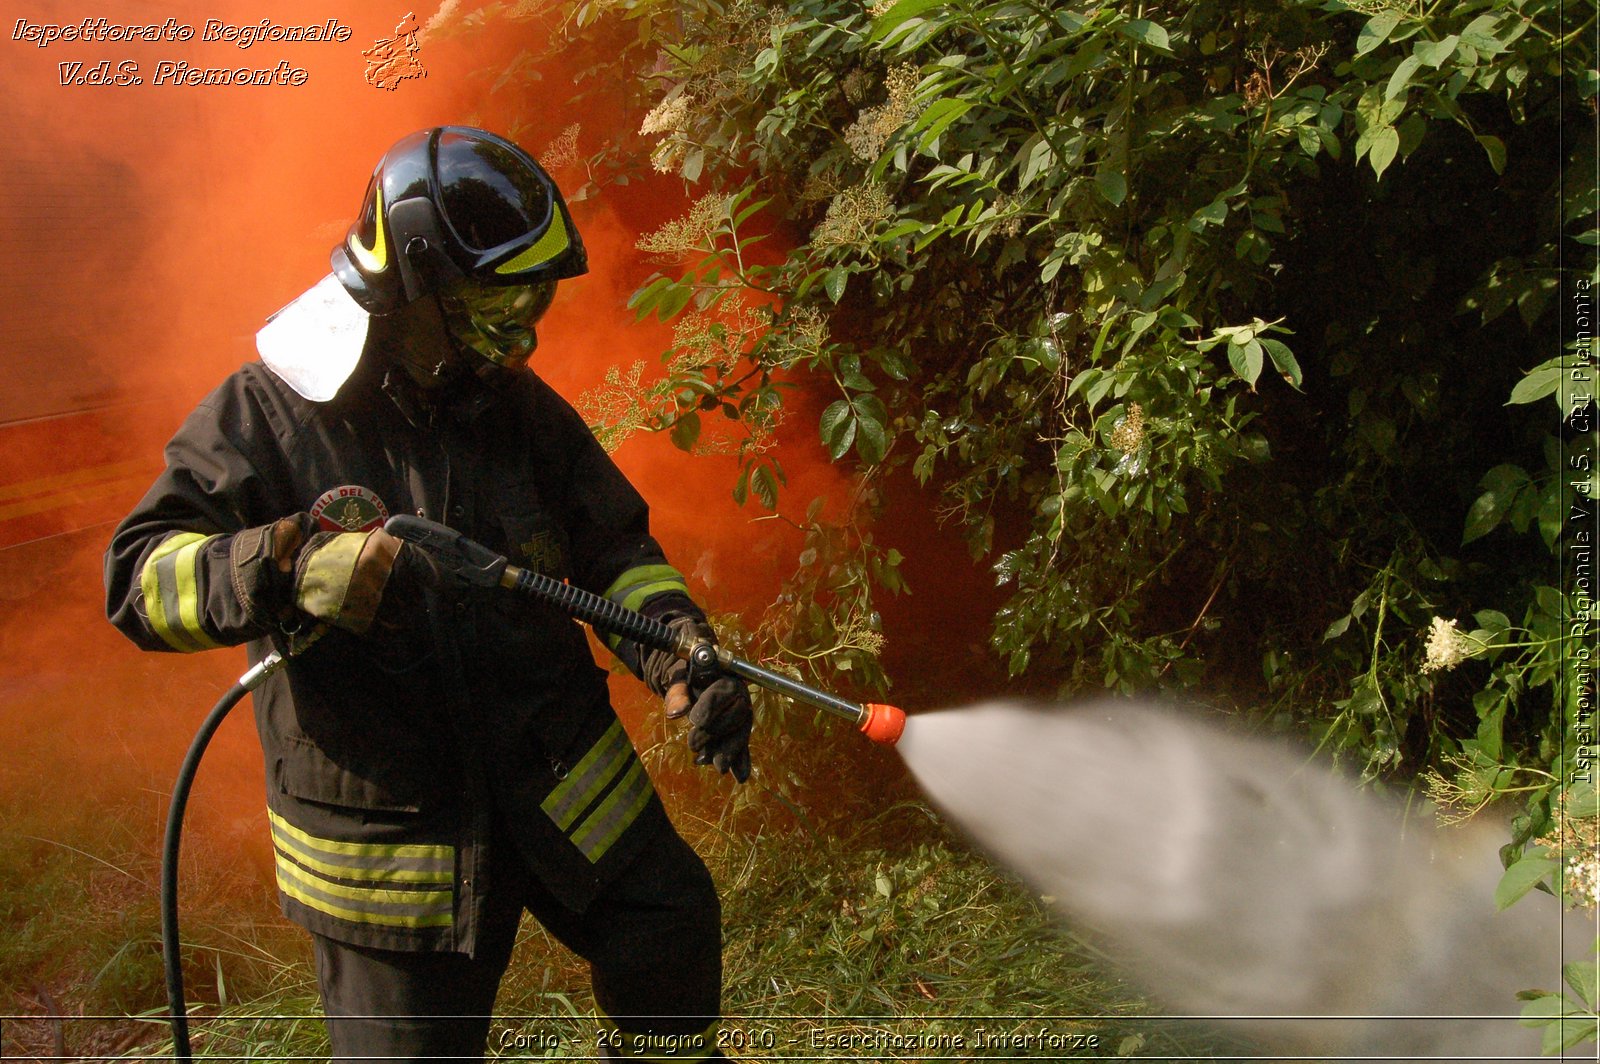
pixel 1236 878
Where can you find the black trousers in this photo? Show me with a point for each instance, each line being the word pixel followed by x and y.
pixel 653 940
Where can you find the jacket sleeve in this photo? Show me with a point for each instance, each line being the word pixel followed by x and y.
pixel 608 524
pixel 183 571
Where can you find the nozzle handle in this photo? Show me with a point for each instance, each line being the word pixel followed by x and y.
pixel 476 564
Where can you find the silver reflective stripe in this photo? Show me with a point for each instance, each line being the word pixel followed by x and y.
pixel 393 884
pixel 622 806
pixel 170 582
pixel 366 906
pixel 611 775
pixel 393 863
pixel 589 777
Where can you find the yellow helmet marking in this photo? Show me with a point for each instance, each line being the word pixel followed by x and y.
pixel 376 258
pixel 553 243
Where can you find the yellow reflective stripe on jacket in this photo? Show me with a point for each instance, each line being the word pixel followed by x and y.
pixel 444 856
pixel 610 765
pixel 406 871
pixel 607 823
pixel 642 582
pixel 436 867
pixel 314 895
pixel 588 777
pixel 664 1048
pixel 170 582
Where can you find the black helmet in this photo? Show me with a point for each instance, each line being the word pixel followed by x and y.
pixel 455 204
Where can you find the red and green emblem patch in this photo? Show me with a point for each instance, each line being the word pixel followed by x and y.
pixel 350 508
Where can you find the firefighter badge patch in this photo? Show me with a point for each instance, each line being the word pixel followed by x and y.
pixel 350 508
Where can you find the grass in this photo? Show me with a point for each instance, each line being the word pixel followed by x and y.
pixel 885 940
pixel 80 932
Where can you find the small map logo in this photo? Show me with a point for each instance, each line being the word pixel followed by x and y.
pixel 391 61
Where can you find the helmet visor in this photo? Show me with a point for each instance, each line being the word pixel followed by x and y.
pixel 497 321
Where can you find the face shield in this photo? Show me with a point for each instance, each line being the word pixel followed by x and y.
pixel 497 321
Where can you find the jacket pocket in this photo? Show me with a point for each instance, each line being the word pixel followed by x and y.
pixel 302 770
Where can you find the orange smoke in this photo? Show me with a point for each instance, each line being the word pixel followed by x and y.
pixel 152 230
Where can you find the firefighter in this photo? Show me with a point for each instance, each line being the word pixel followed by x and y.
pixel 440 758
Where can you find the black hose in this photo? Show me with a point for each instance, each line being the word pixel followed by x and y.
pixel 171 954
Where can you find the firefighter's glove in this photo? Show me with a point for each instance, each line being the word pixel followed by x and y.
pixel 718 707
pixel 338 578
pixel 719 726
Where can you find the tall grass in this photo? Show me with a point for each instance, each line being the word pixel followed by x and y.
pixel 890 941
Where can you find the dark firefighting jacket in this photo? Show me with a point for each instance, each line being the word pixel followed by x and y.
pixel 389 756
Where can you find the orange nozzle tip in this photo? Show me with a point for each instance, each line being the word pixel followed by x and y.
pixel 883 724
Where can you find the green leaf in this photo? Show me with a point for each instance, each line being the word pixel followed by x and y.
pixel 1566 1031
pixel 1480 35
pixel 1493 620
pixel 693 163
pixel 673 300
pixel 1376 31
pixel 1520 878
pixel 1035 154
pixel 1584 978
pixel 645 299
pixel 1112 183
pixel 1213 213
pixel 1433 53
pixel 1412 131
pixel 1496 150
pixel 838 427
pixel 765 486
pixel 1284 360
pixel 872 442
pixel 1539 382
pixel 898 15
pixel 1501 485
pixel 1401 78
pixel 1146 32
pixel 1385 146
pixel 686 430
pixel 937 118
pixel 834 283
pixel 1246 359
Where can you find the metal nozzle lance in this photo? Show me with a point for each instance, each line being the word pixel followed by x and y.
pixel 477 565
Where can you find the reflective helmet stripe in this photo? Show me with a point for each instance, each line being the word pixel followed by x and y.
pixel 552 243
pixel 376 258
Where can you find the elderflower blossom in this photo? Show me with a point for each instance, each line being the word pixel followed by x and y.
pixel 618 408
pixel 562 150
pixel 875 125
pixel 1447 646
pixel 1129 432
pixel 1583 881
pixel 667 116
pixel 442 17
pixel 689 233
pixel 854 216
